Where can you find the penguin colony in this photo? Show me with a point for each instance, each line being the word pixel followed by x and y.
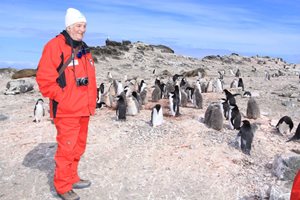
pixel 129 96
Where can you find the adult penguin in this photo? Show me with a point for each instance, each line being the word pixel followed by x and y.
pixel 39 110
pixel 285 125
pixel 296 136
pixel 157 115
pixel 121 108
pixel 246 133
pixel 230 97
pixel 234 117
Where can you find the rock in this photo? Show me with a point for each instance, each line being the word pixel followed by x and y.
pixel 265 191
pixel 289 104
pixel 7 70
pixel 41 157
pixel 195 72
pixel 212 57
pixel 3 117
pixel 279 193
pixel 255 94
pixel 163 48
pixel 112 43
pixel 294 95
pixel 286 166
pixel 24 73
pixel 18 86
pixel 166 73
pixel 274 122
pixel 285 94
pixel 253 197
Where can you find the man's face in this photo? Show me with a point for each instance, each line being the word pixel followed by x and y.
pixel 77 30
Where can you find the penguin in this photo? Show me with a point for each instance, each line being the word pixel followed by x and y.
pixel 197 99
pixel 178 93
pixel 246 134
pixel 143 95
pixel 118 87
pixel 121 108
pixel 163 90
pixel 209 86
pixel 108 99
pixel 100 92
pixel 241 84
pixel 184 98
pixel 234 117
pixel 138 98
pixel 217 85
pixel 285 125
pixel 221 75
pixel 169 87
pixel 226 108
pixel 156 93
pixel 190 92
pixel 157 115
pixel 253 111
pixel 198 85
pixel 174 104
pixel 142 86
pixel 230 97
pixel 100 105
pixel 234 83
pixel 109 76
pixel 157 81
pixel 176 77
pixel 184 83
pixel 237 73
pixel 267 75
pixel 132 107
pixel 213 116
pixel 161 86
pixel 296 136
pixel 39 110
pixel 127 91
pixel 247 94
pixel 203 86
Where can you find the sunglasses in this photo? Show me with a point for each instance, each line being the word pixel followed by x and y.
pixel 82 52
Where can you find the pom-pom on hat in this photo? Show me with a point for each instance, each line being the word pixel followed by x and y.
pixel 73 16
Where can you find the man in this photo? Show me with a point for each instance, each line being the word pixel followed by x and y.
pixel 71 88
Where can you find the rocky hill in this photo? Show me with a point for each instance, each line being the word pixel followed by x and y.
pixel 182 158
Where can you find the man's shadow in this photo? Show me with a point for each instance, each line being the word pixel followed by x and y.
pixel 42 158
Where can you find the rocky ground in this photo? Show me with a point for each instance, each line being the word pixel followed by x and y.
pixel 181 159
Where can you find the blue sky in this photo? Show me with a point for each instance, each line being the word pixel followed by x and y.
pixel 190 27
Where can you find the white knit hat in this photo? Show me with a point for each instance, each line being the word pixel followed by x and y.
pixel 73 16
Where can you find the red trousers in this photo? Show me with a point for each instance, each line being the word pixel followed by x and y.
pixel 295 193
pixel 71 142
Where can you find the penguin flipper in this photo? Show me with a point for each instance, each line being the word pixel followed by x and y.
pixel 291 139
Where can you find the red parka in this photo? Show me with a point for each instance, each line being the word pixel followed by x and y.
pixel 295 193
pixel 66 98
